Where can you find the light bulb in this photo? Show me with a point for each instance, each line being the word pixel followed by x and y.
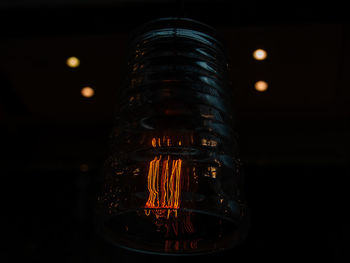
pixel 171 179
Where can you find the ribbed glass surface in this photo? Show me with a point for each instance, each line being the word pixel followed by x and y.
pixel 172 180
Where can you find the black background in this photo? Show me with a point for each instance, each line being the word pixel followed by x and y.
pixel 294 138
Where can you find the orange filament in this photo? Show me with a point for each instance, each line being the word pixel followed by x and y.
pixel 164 183
pixel 164 180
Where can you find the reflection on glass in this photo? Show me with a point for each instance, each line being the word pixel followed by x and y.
pixel 172 179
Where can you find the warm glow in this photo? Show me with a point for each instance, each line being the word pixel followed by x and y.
pixel 154 142
pixel 87 92
pixel 73 62
pixel 260 54
pixel 163 181
pixel 261 86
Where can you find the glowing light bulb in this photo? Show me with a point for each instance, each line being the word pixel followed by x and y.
pixel 170 187
pixel 261 85
pixel 87 92
pixel 73 62
pixel 260 54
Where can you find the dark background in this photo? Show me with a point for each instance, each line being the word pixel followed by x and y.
pixel 294 138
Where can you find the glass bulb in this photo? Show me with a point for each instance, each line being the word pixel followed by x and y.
pixel 172 180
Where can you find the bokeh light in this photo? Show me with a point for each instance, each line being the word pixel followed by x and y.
pixel 73 62
pixel 261 85
pixel 87 92
pixel 260 54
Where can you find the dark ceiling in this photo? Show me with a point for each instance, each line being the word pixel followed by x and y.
pixel 294 138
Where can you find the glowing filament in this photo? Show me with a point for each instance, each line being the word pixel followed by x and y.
pixel 164 183
pixel 164 180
